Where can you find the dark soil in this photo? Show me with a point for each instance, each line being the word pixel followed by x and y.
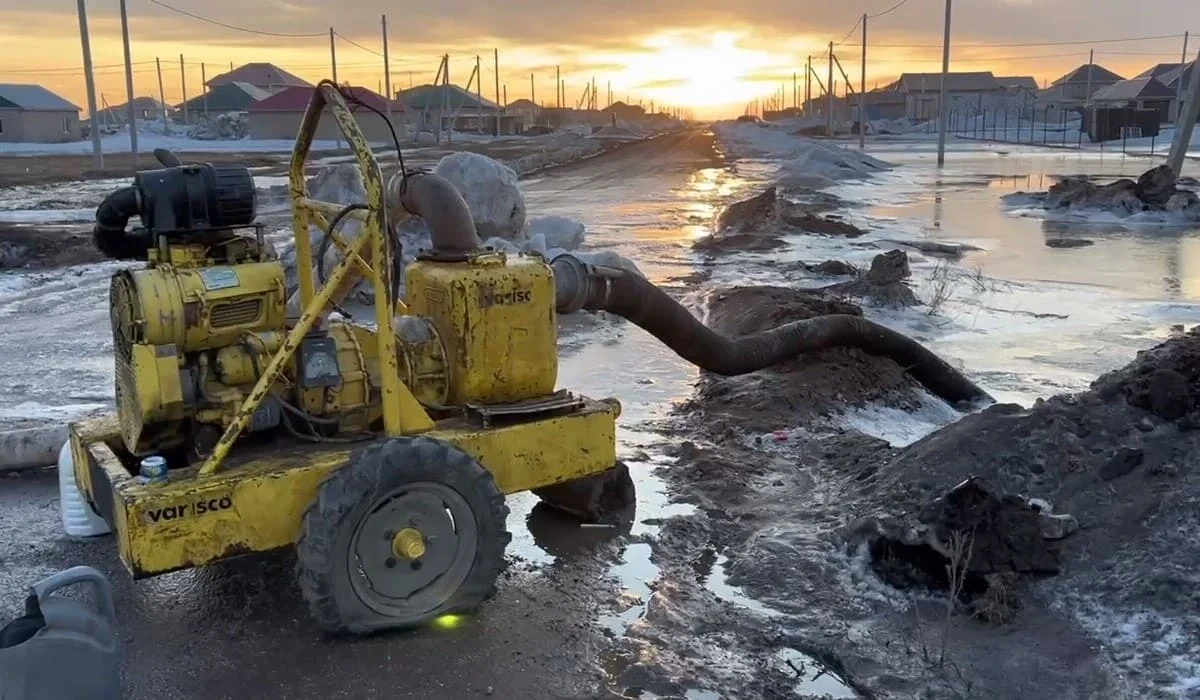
pixel 753 224
pixel 37 247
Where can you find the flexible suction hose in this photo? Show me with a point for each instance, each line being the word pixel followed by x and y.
pixel 112 216
pixel 581 286
pixel 437 201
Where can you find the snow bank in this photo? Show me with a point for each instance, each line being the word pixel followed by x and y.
pixel 806 162
pixel 557 231
pixel 491 191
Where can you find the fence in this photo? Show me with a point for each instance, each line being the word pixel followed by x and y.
pixel 1031 126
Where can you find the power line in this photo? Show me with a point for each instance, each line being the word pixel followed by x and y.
pixel 1085 42
pixel 355 43
pixel 856 23
pixel 68 69
pixel 891 9
pixel 234 26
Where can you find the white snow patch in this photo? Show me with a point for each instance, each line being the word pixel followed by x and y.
pixel 557 231
pixel 1149 643
pixel 47 216
pixel 899 427
pixel 147 142
pixel 491 191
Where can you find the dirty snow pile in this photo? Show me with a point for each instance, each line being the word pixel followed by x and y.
pixel 806 163
pixel 497 206
pixel 1154 198
pixel 219 127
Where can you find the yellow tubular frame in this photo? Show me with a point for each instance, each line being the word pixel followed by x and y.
pixel 402 413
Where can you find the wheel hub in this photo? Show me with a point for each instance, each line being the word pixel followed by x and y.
pixel 408 544
pixel 413 549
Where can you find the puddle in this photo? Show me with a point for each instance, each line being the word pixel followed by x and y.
pixel 717 582
pixel 813 677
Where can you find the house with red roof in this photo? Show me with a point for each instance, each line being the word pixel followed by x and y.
pixel 278 116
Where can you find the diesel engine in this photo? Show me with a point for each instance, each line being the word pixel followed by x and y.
pixel 195 326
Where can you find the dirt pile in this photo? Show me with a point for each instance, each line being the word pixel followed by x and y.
pixel 1060 538
pixel 36 247
pixel 754 224
pixel 884 284
pixel 1154 190
pixel 797 391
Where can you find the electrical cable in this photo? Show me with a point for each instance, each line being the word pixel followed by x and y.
pixel 1083 42
pixel 234 26
pixel 328 237
pixel 891 9
pixel 355 43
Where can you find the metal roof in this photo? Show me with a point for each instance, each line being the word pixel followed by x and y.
pixel 260 74
pixel 34 98
pixel 424 97
pixel 230 97
pixel 1100 75
pixel 1017 81
pixel 295 99
pixel 981 81
pixel 1132 90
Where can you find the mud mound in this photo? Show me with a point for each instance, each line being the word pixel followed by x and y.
pixel 884 283
pixel 33 247
pixel 797 391
pixel 751 224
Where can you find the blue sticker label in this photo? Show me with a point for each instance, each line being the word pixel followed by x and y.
pixel 215 278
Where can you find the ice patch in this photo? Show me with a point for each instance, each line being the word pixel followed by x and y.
pixel 47 216
pixel 899 427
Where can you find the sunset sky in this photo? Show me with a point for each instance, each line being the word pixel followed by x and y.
pixel 709 55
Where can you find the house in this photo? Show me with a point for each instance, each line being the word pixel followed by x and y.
pixel 279 116
pixel 1176 76
pixel 922 91
pixel 883 104
pixel 33 114
pixel 1137 93
pixel 625 112
pixel 229 97
pixel 144 108
pixel 1073 88
pixel 451 106
pixel 1018 84
pixel 265 76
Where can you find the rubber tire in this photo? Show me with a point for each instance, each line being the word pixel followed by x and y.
pixel 348 493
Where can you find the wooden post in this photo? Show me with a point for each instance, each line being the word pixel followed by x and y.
pixel 479 96
pixel 93 117
pixel 204 86
pixel 337 139
pixel 862 91
pixel 183 86
pixel 162 99
pixel 943 104
pixel 1179 83
pixel 558 84
pixel 1186 122
pixel 829 95
pixel 133 146
pixel 387 73
pixel 499 105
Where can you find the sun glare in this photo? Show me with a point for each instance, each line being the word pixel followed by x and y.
pixel 693 70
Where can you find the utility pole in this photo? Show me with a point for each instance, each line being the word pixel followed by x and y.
pixel 1186 122
pixel 479 95
pixel 129 86
pixel 943 106
pixel 1179 82
pixel 558 85
pixel 532 91
pixel 183 86
pixel 337 139
pixel 862 91
pixel 500 104
pixel 387 73
pixel 93 117
pixel 795 93
pixel 829 95
pixel 1087 98
pixel 162 99
pixel 807 85
pixel 204 86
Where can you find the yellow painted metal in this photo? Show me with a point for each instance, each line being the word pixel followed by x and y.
pixel 258 505
pixel 240 364
pixel 496 316
pixel 401 412
pixel 408 544
pixel 209 307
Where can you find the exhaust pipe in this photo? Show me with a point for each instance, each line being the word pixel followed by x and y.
pixel 582 286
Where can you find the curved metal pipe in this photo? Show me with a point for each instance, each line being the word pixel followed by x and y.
pixel 581 286
pixel 436 200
